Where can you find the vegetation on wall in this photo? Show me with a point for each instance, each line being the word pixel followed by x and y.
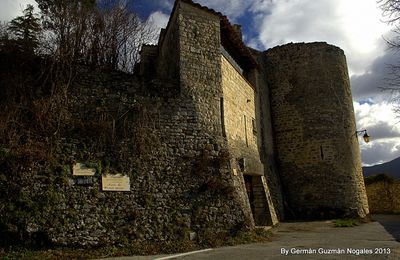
pixel 39 132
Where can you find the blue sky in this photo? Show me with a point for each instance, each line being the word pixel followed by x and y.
pixel 146 7
pixel 354 25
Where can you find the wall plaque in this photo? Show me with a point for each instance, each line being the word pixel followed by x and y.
pixel 80 169
pixel 85 181
pixel 116 182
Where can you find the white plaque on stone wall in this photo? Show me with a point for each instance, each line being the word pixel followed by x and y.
pixel 80 169
pixel 116 182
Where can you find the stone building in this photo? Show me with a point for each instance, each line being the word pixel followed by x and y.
pixel 286 113
pixel 213 136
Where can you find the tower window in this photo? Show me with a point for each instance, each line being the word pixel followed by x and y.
pixel 221 106
pixel 245 130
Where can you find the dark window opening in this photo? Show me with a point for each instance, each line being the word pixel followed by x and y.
pixel 322 152
pixel 242 164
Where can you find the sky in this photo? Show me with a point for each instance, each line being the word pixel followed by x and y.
pixel 356 26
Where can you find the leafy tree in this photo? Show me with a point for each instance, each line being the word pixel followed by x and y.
pixel 25 30
pixel 19 42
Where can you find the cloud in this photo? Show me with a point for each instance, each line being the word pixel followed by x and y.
pixel 354 26
pixel 9 9
pixel 378 152
pixel 384 130
pixel 158 19
pixel 382 124
pixel 377 116
pixel 368 84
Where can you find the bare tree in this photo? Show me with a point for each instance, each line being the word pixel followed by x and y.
pixel 391 13
pixel 106 34
pixel 391 10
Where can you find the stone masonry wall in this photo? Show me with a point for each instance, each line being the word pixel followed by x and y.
pixel 169 145
pixel 201 81
pixel 200 64
pixel 168 60
pixel 314 126
pixel 241 129
pixel 266 136
pixel 384 196
pixel 239 117
pixel 179 174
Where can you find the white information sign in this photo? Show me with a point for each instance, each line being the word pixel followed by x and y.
pixel 116 182
pixel 80 169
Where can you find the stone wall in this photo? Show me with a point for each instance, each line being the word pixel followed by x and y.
pixel 201 81
pixel 180 175
pixel 314 127
pixel 170 145
pixel 239 117
pixel 200 64
pixel 241 129
pixel 384 196
pixel 168 60
pixel 266 135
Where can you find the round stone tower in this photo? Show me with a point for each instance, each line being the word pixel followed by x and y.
pixel 315 134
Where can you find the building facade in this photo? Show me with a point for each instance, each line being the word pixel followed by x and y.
pixel 210 136
pixel 286 114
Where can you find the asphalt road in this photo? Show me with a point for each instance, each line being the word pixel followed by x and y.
pixel 313 240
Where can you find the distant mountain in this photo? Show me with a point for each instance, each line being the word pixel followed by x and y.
pixel 391 168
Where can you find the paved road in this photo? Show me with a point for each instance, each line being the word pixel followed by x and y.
pixel 316 240
pixel 391 223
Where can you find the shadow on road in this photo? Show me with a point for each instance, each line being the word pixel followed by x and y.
pixel 390 222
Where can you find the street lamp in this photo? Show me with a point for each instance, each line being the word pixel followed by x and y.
pixel 365 135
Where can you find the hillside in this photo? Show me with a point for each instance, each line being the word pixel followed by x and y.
pixel 391 168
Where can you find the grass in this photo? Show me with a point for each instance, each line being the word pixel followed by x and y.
pixel 209 239
pixel 351 222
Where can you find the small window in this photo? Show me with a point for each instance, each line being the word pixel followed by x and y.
pixel 221 106
pixel 254 125
pixel 245 130
pixel 242 164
